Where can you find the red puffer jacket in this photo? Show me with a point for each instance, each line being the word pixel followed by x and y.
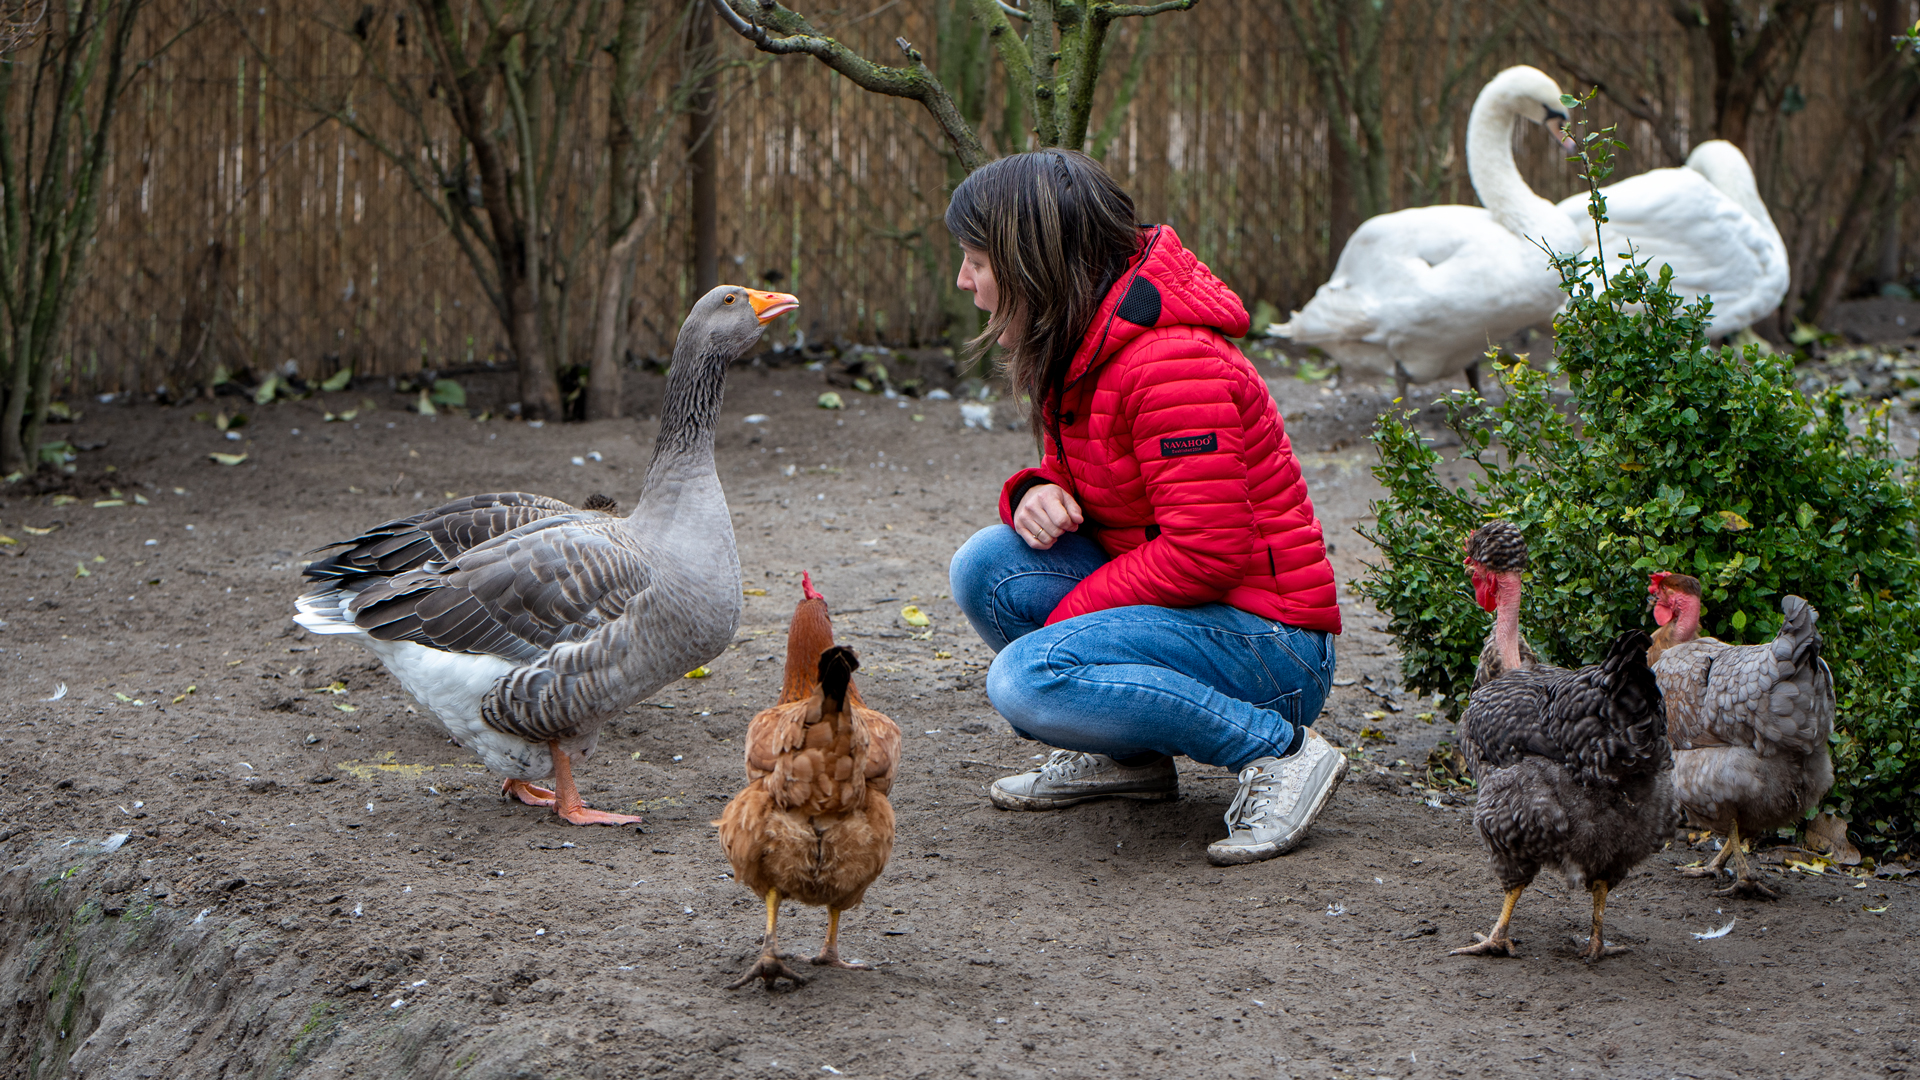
pixel 1175 451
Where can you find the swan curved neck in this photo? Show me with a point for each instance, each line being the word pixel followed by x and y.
pixel 1497 180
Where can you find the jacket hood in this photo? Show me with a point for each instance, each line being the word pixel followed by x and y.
pixel 1164 285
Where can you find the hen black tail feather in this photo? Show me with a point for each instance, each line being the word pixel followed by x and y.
pixel 1637 712
pixel 837 666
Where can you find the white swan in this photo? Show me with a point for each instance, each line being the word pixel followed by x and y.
pixel 1420 294
pixel 1706 221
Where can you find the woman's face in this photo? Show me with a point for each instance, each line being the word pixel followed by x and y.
pixel 976 277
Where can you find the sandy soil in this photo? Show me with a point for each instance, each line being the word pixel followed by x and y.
pixel 317 884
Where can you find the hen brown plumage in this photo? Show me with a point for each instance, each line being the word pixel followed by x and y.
pixel 1749 723
pixel 813 823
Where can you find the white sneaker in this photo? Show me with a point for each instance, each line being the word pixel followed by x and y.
pixel 1069 777
pixel 1277 801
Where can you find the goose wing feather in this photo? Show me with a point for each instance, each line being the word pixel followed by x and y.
pixel 554 581
pixel 441 533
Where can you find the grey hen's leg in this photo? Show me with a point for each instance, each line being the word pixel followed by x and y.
pixel 1597 946
pixel 1744 883
pixel 1496 943
pixel 1712 869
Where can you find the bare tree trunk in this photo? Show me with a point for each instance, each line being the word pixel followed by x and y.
pixel 1888 117
pixel 519 280
pixel 196 320
pixel 603 370
pixel 50 178
pixel 702 164
pixel 1343 216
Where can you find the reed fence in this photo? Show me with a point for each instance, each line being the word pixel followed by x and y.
pixel 239 228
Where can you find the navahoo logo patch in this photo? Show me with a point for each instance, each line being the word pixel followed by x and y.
pixel 1184 445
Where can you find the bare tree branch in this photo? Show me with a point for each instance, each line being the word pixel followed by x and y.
pixel 1134 11
pixel 913 81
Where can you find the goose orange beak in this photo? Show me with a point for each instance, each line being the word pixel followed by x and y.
pixel 771 305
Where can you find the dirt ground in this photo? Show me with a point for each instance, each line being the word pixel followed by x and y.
pixel 315 883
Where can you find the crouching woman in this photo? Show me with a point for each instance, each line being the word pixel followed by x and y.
pixel 1159 586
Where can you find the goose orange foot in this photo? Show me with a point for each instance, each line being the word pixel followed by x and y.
pixel 530 794
pixel 566 797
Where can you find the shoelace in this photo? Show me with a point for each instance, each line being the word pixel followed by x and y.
pixel 1065 764
pixel 1255 795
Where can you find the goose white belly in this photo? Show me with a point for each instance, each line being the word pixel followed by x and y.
pixel 448 685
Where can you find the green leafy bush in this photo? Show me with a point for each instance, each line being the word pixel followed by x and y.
pixel 1676 456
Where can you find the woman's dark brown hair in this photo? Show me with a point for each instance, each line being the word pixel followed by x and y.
pixel 1057 232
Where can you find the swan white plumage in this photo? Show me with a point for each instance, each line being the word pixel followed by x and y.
pixel 1420 294
pixel 1707 221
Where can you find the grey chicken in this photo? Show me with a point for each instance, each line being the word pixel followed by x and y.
pixel 1574 772
pixel 1749 723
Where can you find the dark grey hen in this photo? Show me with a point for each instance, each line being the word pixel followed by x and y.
pixel 1574 772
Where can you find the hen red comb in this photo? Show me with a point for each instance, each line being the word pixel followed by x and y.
pixel 1657 582
pixel 806 587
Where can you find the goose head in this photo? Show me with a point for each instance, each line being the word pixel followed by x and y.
pixel 1528 92
pixel 727 321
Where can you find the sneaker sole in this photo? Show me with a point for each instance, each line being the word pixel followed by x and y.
pixel 1241 854
pixel 1007 800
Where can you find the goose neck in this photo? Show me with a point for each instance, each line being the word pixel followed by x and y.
pixel 688 414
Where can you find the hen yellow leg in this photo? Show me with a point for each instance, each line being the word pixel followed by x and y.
pixel 769 967
pixel 1597 946
pixel 1712 869
pixel 1496 943
pixel 1744 883
pixel 830 952
pixel 566 797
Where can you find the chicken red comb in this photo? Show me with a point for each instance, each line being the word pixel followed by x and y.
pixel 1657 582
pixel 806 587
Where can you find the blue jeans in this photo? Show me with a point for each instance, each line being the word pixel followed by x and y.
pixel 1212 683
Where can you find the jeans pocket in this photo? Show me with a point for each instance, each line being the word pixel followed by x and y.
pixel 1287 705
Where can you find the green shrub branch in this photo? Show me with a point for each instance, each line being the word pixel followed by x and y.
pixel 1670 455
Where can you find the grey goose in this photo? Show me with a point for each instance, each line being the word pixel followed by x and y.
pixel 523 624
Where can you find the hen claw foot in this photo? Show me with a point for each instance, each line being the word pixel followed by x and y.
pixel 1597 948
pixel 1748 888
pixel 832 959
pixel 771 969
pixel 1487 946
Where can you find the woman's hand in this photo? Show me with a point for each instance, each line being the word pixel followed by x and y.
pixel 1045 513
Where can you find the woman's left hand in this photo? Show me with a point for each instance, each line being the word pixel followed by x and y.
pixel 1045 513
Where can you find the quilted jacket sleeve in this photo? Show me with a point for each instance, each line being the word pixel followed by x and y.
pixel 1187 434
pixel 1026 480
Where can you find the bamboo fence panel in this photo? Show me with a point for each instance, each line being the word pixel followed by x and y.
pixel 232 207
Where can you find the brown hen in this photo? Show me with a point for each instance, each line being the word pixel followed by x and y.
pixel 813 823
